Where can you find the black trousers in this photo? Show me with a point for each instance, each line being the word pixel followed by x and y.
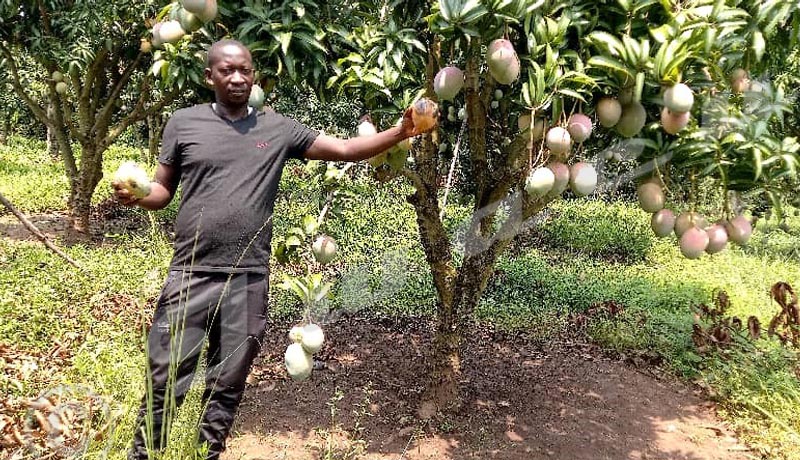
pixel 229 312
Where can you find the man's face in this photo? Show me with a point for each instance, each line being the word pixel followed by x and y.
pixel 231 76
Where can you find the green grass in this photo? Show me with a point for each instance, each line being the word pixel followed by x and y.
pixel 30 179
pixel 585 252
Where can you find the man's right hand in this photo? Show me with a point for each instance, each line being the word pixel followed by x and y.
pixel 125 197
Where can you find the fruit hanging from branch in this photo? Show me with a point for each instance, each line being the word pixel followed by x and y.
pixel 256 99
pixel 205 10
pixel 679 98
pixel 651 197
pixel 663 223
pixel 540 182
pixel 717 238
pixel 324 249
pixel 739 230
pixel 609 111
pixel 559 141
pixel 687 220
pixel 693 242
pixel 190 22
pixel 298 362
pixel 579 127
pixel 448 83
pixel 582 178
pixel 313 338
pixel 560 178
pixel 171 32
pixel 674 122
pixel 503 61
pixel 632 120
pixel 296 334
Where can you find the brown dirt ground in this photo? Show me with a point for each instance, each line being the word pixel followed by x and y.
pixel 108 217
pixel 563 399
pixel 51 224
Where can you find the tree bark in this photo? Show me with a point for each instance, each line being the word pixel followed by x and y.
pixel 91 171
pixel 154 131
pixel 5 128
pixel 52 140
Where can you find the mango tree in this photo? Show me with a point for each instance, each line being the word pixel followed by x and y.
pixel 546 93
pixel 97 75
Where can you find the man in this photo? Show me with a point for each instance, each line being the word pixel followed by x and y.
pixel 229 159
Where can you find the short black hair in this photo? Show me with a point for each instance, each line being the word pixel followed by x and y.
pixel 216 48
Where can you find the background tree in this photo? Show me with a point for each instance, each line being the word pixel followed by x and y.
pixel 95 48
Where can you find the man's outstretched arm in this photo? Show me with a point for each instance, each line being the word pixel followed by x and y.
pixel 360 148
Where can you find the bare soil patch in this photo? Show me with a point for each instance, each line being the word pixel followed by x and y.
pixel 522 400
pixel 108 218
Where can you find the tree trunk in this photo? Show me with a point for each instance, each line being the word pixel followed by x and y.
pixel 91 171
pixel 5 127
pixel 453 323
pixel 52 141
pixel 443 392
pixel 154 131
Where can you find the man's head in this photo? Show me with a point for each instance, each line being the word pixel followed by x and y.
pixel 229 70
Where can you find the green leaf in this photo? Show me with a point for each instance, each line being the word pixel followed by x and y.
pixel 285 38
pixel 293 241
pixel 310 224
pixel 444 10
pixel 322 291
pixel 608 42
pixel 759 45
pixel 757 163
pixel 643 4
pixel 608 63
pixel 297 286
pixel 526 91
pixel 663 33
pixel 156 69
pixel 279 251
pixel 572 94
pixel 374 79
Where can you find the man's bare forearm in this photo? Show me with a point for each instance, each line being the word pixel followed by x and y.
pixel 158 198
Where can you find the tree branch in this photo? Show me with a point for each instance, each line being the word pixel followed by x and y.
pixel 139 112
pixel 64 117
pixel 65 120
pixel 37 110
pixel 91 74
pixel 36 232
pixel 108 109
pixel 435 243
pixel 511 173
pixel 46 26
pixel 84 102
pixel 477 101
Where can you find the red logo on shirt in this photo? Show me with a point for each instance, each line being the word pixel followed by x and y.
pixel 262 145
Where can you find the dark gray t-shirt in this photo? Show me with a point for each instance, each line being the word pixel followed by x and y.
pixel 230 173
